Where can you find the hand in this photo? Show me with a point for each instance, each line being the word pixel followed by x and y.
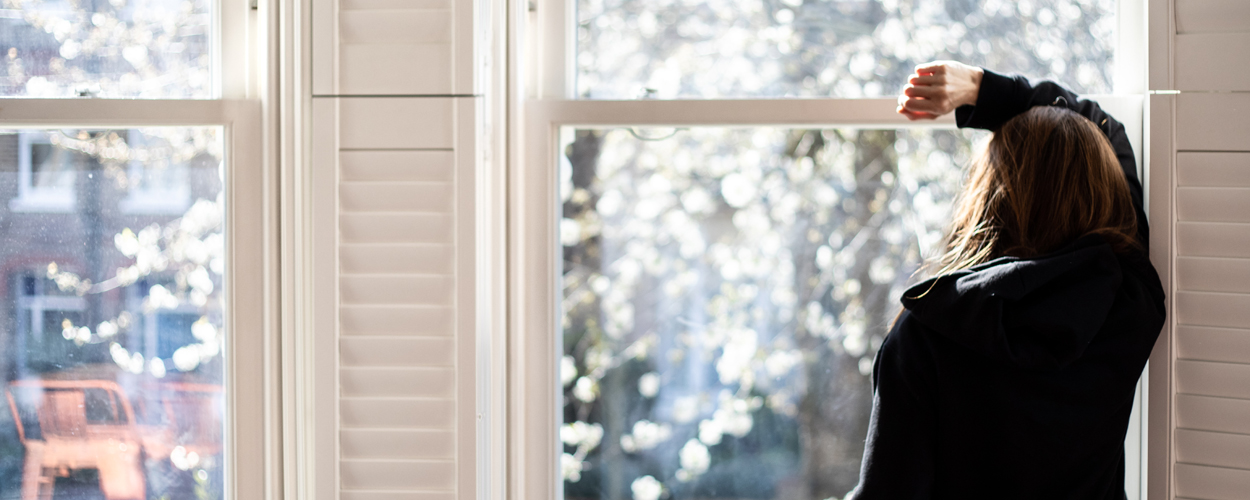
pixel 938 88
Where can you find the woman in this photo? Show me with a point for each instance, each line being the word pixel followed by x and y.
pixel 1011 374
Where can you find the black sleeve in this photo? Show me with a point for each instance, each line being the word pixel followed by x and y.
pixel 1003 97
pixel 899 454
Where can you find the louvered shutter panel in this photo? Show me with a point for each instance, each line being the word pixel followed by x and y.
pixel 394 232
pixel 1201 205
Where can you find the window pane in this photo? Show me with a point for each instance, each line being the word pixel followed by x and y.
pixel 113 340
pixel 725 291
pixel 839 48
pixel 117 48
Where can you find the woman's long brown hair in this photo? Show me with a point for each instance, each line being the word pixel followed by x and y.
pixel 1046 178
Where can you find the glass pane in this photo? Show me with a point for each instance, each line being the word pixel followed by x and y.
pixel 146 49
pixel 628 49
pixel 113 338
pixel 725 291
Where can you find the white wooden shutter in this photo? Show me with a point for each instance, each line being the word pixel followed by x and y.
pixel 395 221
pixel 1200 175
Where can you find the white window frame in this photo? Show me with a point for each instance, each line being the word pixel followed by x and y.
pixel 244 42
pixel 541 99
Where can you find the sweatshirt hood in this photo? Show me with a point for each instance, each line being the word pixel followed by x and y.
pixel 1039 313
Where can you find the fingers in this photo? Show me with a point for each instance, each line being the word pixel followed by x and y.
pixel 931 68
pixel 926 105
pixel 913 115
pixel 926 92
pixel 927 80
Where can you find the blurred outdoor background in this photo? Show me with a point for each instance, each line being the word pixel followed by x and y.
pixel 725 290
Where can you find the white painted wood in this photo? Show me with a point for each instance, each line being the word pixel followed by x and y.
pixel 1214 483
pixel 1213 448
pixel 396 258
pixel 349 5
pixel 1230 310
pixel 1213 121
pixel 1209 204
pixel 1201 239
pixel 398 382
pixel 1213 414
pixel 426 475
pixel 1213 169
pixel 397 351
pixel 324 47
pixel 395 228
pixel 1160 33
pixel 1205 378
pixel 395 69
pixel 395 123
pixel 1213 275
pixel 380 196
pixel 1212 16
pixel 375 289
pixel 1159 181
pixel 398 443
pixel 391 413
pixel 711 112
pixel 1213 61
pixel 402 166
pixel 396 320
pixel 464 53
pixel 77 113
pixel 324 202
pixel 396 495
pixel 1203 343
pixel 395 26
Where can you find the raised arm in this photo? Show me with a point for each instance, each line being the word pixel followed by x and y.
pixel 984 99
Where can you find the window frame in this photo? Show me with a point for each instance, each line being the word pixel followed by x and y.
pixel 541 99
pixel 251 372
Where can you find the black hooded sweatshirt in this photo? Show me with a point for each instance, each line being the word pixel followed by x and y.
pixel 1014 379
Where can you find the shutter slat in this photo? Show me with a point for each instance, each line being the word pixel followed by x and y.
pixel 393 351
pixel 390 69
pixel 1207 204
pixel 408 259
pixel 392 443
pixel 1214 483
pixel 1212 344
pixel 346 5
pixel 394 122
pixel 1213 448
pixel 1212 309
pixel 1211 239
pixel 429 475
pixel 395 320
pixel 1212 121
pixel 1213 61
pixel 395 26
pixel 1213 414
pixel 395 228
pixel 356 197
pixel 412 413
pixel 1206 378
pixel 1212 16
pixel 398 495
pixel 411 289
pixel 397 382
pixel 1213 275
pixel 402 166
pixel 1213 169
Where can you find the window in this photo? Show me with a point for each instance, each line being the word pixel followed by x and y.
pixel 721 245
pixel 45 174
pixel 131 312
